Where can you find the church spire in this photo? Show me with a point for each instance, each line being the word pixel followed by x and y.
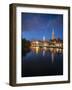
pixel 53 37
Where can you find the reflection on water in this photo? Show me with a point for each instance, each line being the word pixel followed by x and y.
pixel 52 57
pixel 44 50
pixel 37 50
pixel 40 61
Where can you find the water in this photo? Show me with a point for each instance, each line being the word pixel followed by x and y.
pixel 42 62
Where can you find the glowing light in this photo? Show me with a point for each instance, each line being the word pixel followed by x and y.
pixel 45 44
pixel 51 49
pixel 57 50
pixel 43 38
pixel 45 48
pixel 37 50
pixel 36 42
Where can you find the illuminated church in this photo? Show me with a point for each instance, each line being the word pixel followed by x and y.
pixel 57 43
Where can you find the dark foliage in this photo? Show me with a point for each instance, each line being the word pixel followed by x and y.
pixel 25 46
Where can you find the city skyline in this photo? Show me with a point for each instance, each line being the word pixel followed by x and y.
pixel 36 26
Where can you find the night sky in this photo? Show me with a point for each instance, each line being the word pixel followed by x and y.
pixel 35 26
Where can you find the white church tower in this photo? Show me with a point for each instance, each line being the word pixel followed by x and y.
pixel 43 38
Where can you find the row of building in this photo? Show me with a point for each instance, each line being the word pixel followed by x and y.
pixel 48 43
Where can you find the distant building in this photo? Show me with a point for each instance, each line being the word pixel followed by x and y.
pixel 45 43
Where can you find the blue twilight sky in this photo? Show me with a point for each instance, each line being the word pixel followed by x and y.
pixel 36 25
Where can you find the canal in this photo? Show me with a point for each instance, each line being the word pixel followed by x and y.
pixel 42 62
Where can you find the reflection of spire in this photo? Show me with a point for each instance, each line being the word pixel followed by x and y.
pixel 43 52
pixel 53 37
pixel 52 57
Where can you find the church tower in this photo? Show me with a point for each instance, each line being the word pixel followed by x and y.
pixel 53 37
pixel 43 38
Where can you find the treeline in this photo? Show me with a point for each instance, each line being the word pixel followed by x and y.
pixel 25 45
